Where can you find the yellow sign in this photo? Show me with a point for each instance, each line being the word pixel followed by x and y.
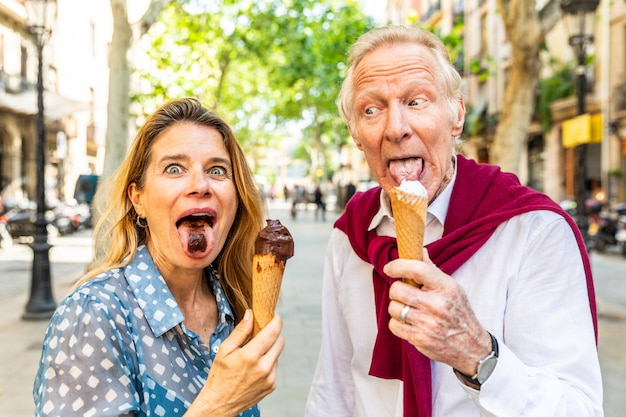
pixel 582 129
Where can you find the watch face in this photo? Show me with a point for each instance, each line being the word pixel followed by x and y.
pixel 486 368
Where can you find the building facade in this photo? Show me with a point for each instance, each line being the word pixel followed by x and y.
pixel 548 160
pixel 75 76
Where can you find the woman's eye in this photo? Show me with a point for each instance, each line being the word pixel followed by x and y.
pixel 370 110
pixel 218 171
pixel 173 169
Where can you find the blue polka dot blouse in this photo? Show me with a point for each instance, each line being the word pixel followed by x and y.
pixel 117 346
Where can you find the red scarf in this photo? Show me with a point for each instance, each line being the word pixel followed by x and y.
pixel 483 197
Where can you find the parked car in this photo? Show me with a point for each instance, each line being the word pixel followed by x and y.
pixel 20 221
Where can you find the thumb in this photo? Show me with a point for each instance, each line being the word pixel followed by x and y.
pixel 426 257
pixel 239 334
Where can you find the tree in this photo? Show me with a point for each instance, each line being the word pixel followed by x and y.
pixel 124 35
pixel 262 65
pixel 311 78
pixel 526 28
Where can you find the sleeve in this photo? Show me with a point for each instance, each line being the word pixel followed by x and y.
pixel 85 368
pixel 548 364
pixel 332 389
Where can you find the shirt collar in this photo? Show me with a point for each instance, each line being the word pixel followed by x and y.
pixel 437 209
pixel 155 298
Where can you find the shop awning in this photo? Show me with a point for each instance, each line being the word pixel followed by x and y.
pixel 583 129
pixel 56 105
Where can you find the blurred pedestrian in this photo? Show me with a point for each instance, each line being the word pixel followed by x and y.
pixel 320 205
pixel 350 190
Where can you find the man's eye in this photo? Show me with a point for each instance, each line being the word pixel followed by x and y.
pixel 416 102
pixel 370 110
pixel 173 169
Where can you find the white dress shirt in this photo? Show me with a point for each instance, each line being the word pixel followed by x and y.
pixel 527 287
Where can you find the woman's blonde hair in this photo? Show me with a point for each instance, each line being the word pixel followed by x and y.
pixel 117 235
pixel 393 35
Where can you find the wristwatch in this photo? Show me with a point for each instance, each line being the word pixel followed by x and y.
pixel 485 366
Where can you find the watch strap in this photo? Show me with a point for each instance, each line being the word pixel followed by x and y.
pixel 473 380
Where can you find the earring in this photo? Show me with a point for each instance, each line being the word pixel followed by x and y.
pixel 142 224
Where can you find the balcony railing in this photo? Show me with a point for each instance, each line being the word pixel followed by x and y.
pixel 13 83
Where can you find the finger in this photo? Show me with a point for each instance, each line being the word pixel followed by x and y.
pixel 395 310
pixel 403 294
pixel 267 337
pixel 239 335
pixel 268 345
pixel 407 269
pixel 425 273
pixel 426 257
pixel 272 355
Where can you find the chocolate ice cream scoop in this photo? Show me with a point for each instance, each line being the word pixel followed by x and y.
pixel 274 238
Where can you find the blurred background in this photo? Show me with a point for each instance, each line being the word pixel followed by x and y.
pixel 545 93
pixel 545 88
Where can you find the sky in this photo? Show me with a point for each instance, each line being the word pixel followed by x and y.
pixel 374 8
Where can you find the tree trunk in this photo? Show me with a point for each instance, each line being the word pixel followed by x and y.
pixel 519 104
pixel 124 35
pixel 119 87
pixel 526 28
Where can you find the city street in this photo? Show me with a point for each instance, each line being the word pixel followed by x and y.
pixel 299 306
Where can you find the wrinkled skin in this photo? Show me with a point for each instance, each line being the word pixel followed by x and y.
pixel 401 114
pixel 405 127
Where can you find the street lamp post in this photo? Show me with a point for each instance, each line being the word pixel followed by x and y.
pixel 41 303
pixel 580 15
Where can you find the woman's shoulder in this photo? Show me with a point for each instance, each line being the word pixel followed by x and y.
pixel 105 290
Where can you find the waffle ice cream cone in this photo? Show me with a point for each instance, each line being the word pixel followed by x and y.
pixel 409 203
pixel 274 245
pixel 267 277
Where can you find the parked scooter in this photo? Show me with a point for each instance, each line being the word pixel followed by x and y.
pixel 606 228
pixel 582 222
pixel 70 217
pixel 20 221
pixel 6 240
pixel 620 236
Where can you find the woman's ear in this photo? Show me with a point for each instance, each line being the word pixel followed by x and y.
pixel 134 195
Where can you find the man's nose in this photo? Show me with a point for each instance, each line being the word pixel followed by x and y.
pixel 397 127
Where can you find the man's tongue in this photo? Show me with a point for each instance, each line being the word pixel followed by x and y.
pixel 196 237
pixel 408 169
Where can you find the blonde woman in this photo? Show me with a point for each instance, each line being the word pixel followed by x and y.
pixel 157 328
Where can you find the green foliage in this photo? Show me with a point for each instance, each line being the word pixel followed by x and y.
pixel 454 41
pixel 559 85
pixel 260 64
pixel 482 67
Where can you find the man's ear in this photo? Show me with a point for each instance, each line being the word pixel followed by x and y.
pixel 460 122
pixel 356 140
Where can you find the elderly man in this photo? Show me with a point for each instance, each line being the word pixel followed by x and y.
pixel 502 321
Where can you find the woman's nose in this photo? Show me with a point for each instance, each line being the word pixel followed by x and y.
pixel 397 127
pixel 199 183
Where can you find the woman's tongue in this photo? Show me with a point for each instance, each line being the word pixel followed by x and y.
pixel 196 238
pixel 409 169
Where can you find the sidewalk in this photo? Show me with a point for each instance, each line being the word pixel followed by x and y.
pixel 21 340
pixel 299 306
